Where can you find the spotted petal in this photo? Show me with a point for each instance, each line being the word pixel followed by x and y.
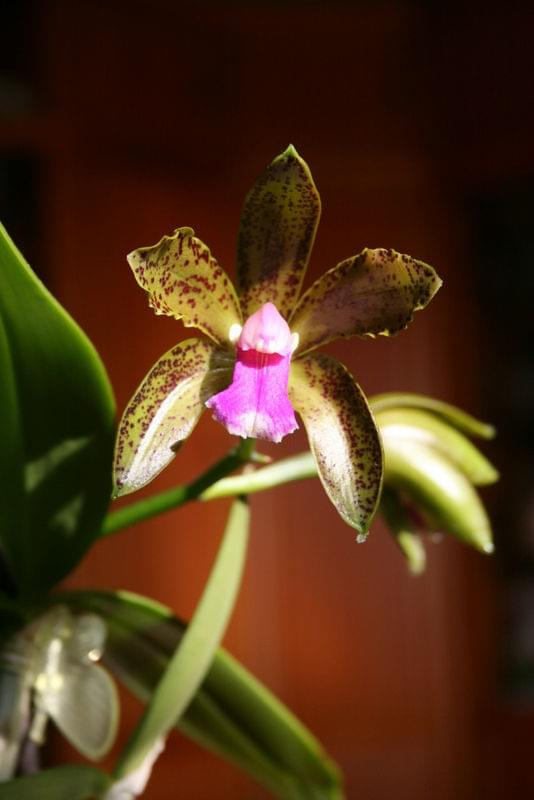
pixel 276 234
pixel 375 292
pixel 342 435
pixel 184 281
pixel 165 409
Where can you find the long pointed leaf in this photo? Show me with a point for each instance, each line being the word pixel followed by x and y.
pixel 232 714
pixel 62 431
pixel 13 511
pixel 191 660
pixel 72 782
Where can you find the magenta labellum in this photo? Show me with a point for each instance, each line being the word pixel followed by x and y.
pixel 256 403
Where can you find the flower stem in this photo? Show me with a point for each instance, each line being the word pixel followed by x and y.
pixel 294 468
pixel 172 498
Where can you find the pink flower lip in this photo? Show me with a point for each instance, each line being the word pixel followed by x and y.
pixel 256 403
pixel 266 331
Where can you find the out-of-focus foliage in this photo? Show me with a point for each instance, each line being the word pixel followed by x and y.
pixel 56 426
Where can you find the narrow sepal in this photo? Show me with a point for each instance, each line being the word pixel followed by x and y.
pixel 375 292
pixel 276 234
pixel 342 434
pixel 165 409
pixel 184 281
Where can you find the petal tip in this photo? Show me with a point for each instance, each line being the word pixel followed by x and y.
pixel 290 152
pixel 117 492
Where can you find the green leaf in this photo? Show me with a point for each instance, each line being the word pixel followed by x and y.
pixel 452 415
pixel 375 292
pixel 439 490
pixel 415 425
pixel 184 281
pixel 72 782
pixel 165 409
pixel 276 234
pixel 312 774
pixel 192 658
pixel 58 404
pixel 343 436
pixel 232 714
pixel 13 510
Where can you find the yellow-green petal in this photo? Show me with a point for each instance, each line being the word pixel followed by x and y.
pixel 184 281
pixel 373 293
pixel 165 408
pixel 276 234
pixel 342 434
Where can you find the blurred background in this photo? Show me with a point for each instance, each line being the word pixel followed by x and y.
pixel 122 120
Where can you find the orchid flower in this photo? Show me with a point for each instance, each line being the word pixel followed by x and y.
pixel 257 366
pixel 50 670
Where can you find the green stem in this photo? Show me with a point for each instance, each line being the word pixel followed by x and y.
pixel 172 498
pixel 215 484
pixel 294 468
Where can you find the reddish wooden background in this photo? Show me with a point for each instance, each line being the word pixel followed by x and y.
pixel 156 115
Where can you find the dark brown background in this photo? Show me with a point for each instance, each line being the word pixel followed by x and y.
pixel 133 118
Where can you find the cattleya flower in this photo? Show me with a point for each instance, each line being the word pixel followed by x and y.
pixel 257 366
